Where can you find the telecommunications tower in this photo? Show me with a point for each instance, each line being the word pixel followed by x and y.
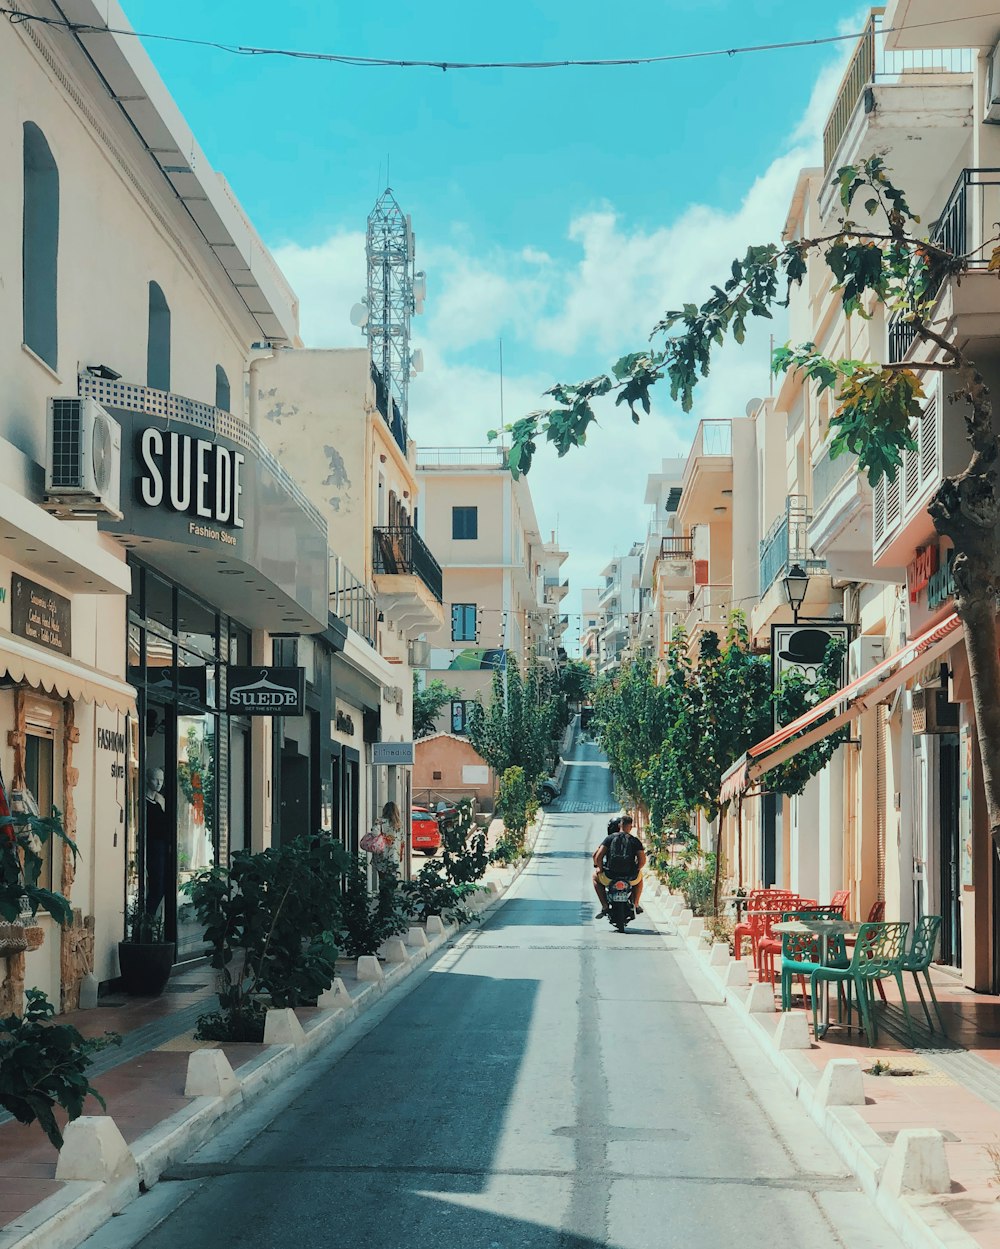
pixel 395 292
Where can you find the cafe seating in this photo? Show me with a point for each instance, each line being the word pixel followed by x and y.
pixel 840 900
pixel 765 900
pixel 878 952
pixel 875 916
pixel 800 953
pixel 917 960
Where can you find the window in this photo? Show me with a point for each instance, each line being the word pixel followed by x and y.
pixel 465 522
pixel 459 714
pixel 40 246
pixel 222 399
pixel 158 343
pixel 463 622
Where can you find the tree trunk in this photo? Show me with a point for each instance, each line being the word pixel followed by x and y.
pixel 718 864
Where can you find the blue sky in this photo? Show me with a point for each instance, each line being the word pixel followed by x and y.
pixel 560 209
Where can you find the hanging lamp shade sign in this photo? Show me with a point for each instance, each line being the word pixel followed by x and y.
pixel 262 691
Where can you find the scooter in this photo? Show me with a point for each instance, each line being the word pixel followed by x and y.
pixel 621 910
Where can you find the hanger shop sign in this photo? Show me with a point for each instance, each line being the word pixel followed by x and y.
pixel 261 691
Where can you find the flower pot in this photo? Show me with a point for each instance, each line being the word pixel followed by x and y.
pixel 13 939
pixel 145 968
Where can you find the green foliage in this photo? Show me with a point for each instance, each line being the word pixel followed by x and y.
pixel 44 1065
pixel 270 920
pixel 575 680
pixel 428 894
pixel 429 702
pixel 517 804
pixel 365 919
pixel 795 697
pixel 875 264
pixel 463 846
pixel 23 836
pixel 142 928
pixel 196 774
pixel 508 849
pixel 519 727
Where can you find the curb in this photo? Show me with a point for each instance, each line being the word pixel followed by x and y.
pixel 65 1219
pixel 920 1221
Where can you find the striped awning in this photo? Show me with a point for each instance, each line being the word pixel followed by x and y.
pixel 867 691
pixel 57 674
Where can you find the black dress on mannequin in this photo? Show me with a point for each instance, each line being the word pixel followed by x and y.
pixel 158 838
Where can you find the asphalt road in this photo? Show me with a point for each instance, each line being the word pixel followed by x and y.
pixel 548 1084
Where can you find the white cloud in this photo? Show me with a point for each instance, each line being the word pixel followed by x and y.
pixel 563 317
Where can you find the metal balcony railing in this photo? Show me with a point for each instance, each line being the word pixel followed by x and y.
pixel 460 457
pixel 400 549
pixel 966 224
pixel 351 600
pixel 390 413
pixel 677 548
pixel 787 543
pixel 873 62
pixel 713 438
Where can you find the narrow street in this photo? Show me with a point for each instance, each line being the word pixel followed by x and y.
pixel 547 1083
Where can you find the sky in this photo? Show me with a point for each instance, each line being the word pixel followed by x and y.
pixel 559 210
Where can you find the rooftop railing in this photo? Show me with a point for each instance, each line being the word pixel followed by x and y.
pixel 677 548
pixel 450 457
pixel 713 438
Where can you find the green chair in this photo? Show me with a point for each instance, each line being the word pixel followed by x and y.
pixel 879 952
pixel 918 959
pixel 800 951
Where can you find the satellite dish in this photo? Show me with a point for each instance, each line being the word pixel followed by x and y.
pixel 359 316
pixel 417 361
pixel 752 406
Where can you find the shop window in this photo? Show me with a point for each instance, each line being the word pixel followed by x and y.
pixel 158 603
pixel 221 389
pixel 158 342
pixel 40 246
pixel 463 622
pixel 239 645
pixel 465 522
pixel 197 624
pixel 38 759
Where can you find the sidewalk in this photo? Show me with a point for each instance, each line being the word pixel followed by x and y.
pixel 143 1082
pixel 949 1083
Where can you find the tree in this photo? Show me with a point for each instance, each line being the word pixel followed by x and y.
pixel 428 703
pixel 517 728
pixel 882 262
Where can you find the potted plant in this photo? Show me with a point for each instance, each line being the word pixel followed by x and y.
pixel 23 834
pixel 144 957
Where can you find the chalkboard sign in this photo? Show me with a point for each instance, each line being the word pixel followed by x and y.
pixel 39 615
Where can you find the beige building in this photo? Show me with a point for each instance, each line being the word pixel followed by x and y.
pixel 502 581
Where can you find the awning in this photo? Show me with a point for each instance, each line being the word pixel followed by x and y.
pixel 66 677
pixel 867 691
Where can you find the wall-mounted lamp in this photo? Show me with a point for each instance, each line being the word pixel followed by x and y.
pixel 103 371
pixel 796 584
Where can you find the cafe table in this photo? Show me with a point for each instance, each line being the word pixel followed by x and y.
pixel 824 929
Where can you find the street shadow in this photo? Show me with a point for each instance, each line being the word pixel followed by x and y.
pixel 532 913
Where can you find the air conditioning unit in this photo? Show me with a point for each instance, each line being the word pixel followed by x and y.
pixel 933 713
pixel 864 653
pixel 419 655
pixel 991 112
pixel 82 459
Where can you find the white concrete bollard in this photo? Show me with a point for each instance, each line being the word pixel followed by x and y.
pixel 684 917
pixel 336 997
pixel 434 926
pixel 695 928
pixel 760 1000
pixel 917 1164
pixel 209 1074
pixel 792 1032
pixel 369 968
pixel 719 954
pixel 736 975
pixel 492 888
pixel 281 1027
pixel 394 951
pixel 94 1149
pixel 416 939
pixel 841 1084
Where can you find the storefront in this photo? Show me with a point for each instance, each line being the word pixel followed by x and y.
pixel 225 552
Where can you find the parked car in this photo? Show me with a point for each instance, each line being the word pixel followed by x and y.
pixel 425 835
pixel 548 791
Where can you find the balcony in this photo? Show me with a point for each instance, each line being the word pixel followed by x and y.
pixel 840 531
pixel 351 600
pixel 491 457
pixel 787 543
pixel 900 521
pixel 964 227
pixel 885 96
pixel 391 414
pixel 709 609
pixel 708 474
pixel 408 579
pixel 674 569
pixel 555 590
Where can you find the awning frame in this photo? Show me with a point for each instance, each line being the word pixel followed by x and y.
pixel 57 674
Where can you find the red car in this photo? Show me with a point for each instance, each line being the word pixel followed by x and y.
pixel 425 835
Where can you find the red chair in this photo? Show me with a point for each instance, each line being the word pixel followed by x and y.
pixel 743 928
pixel 875 916
pixel 772 900
pixel 840 900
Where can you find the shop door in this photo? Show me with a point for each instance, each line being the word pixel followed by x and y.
pixel 950 860
pixel 769 823
pixel 294 795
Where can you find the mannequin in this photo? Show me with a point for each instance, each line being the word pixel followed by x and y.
pixel 158 838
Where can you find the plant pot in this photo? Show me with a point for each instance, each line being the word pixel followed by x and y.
pixel 145 968
pixel 13 939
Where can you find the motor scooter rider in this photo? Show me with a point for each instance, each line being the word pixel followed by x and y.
pixel 636 855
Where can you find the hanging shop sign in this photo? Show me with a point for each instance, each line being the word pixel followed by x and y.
pixel 799 649
pixel 39 615
pixel 257 691
pixel 399 753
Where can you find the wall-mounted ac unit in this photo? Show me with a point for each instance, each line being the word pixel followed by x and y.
pixel 863 654
pixel 82 459
pixel 419 655
pixel 991 111
pixel 933 713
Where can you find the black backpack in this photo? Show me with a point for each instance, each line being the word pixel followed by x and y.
pixel 622 859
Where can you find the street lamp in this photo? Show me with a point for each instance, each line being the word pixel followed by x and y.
pixel 796 583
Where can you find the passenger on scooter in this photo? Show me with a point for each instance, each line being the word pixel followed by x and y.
pixel 627 860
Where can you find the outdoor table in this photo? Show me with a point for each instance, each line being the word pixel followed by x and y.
pixel 824 929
